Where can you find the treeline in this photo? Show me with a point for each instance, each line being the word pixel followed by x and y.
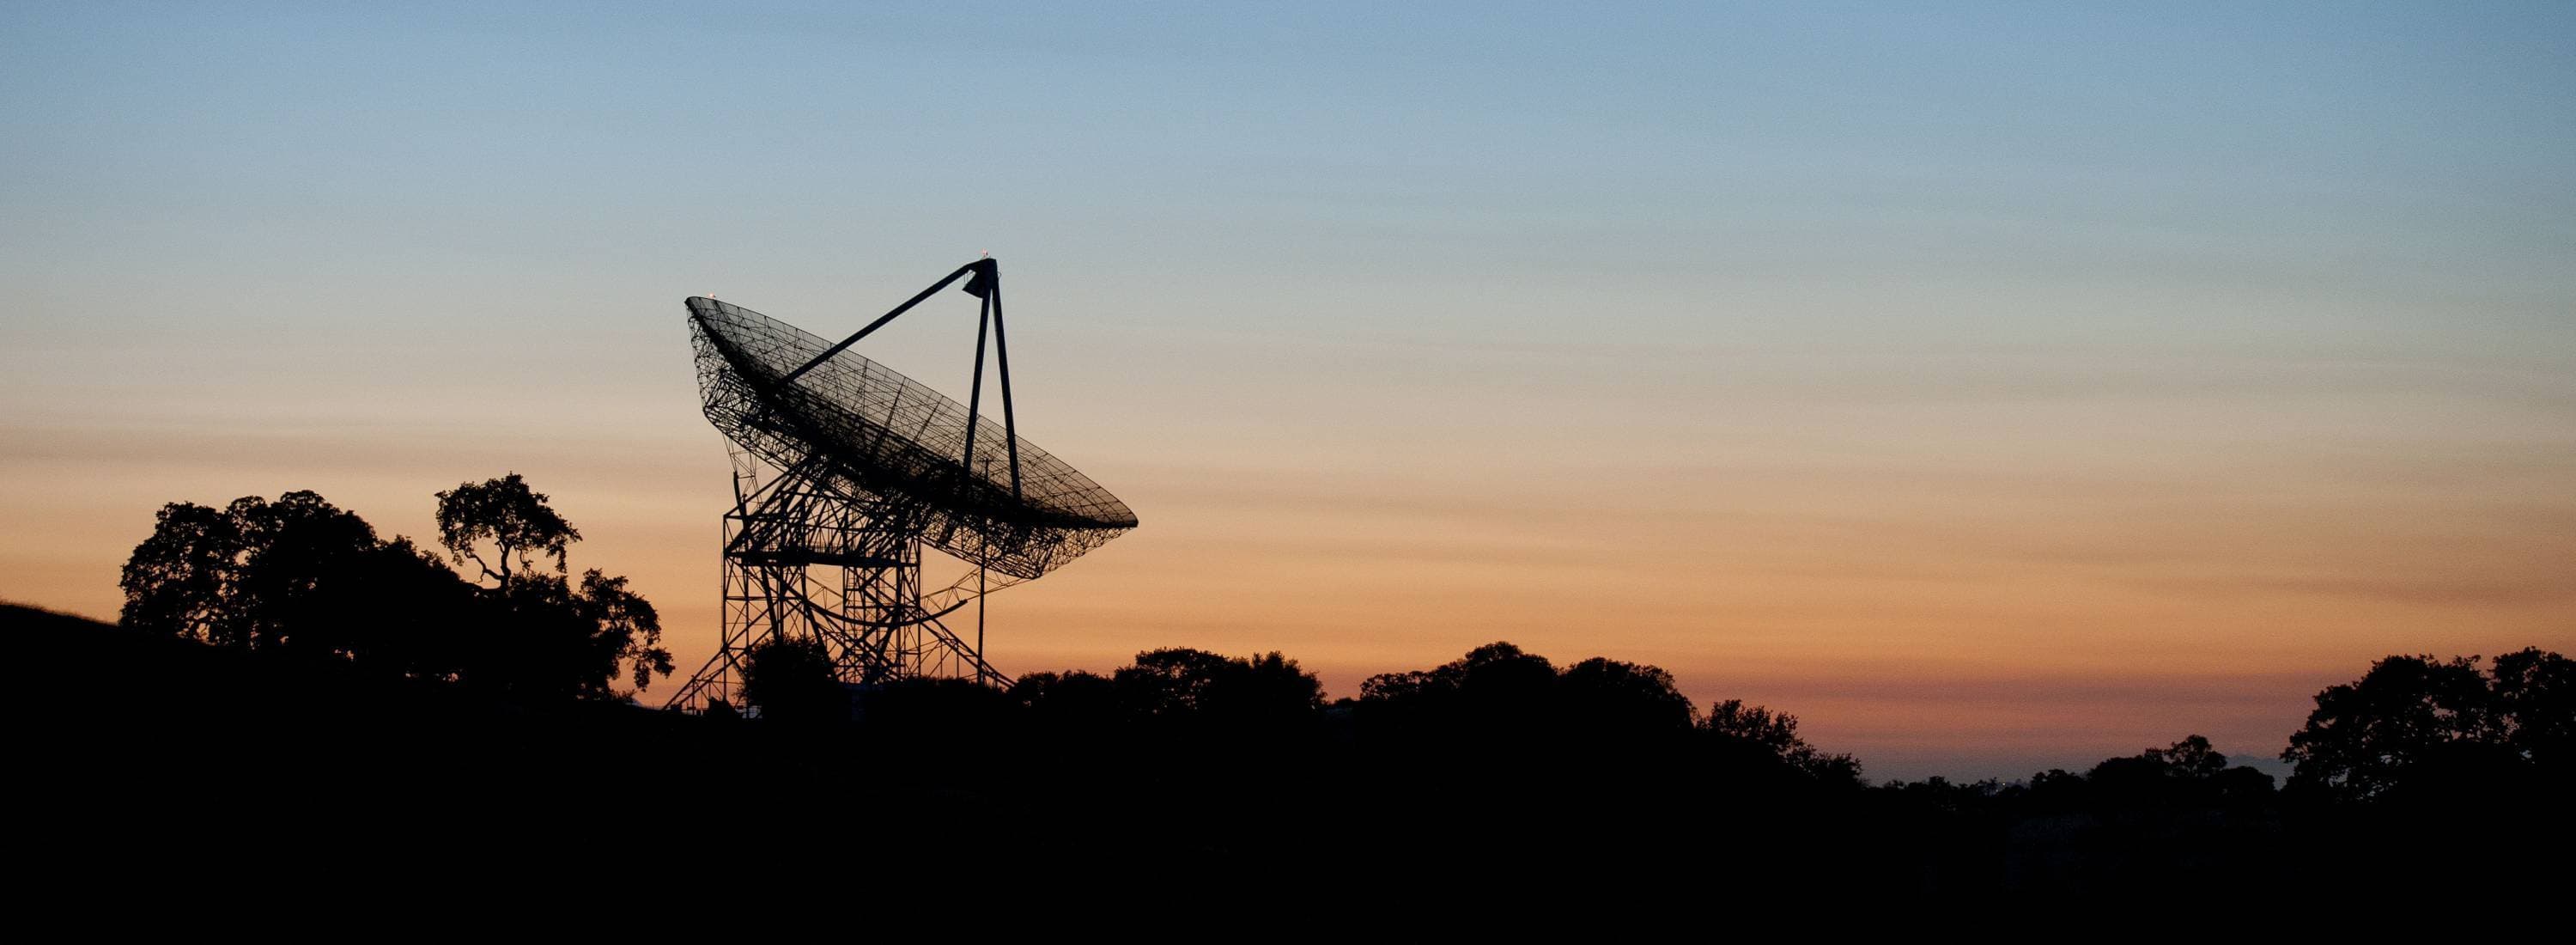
pixel 303 577
pixel 361 681
pixel 1189 767
pixel 2412 727
pixel 1501 756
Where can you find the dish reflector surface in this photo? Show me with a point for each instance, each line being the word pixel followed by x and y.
pixel 877 434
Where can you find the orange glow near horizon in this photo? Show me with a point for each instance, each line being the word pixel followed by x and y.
pixel 1925 614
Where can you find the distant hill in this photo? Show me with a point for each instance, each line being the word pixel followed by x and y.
pixel 16 616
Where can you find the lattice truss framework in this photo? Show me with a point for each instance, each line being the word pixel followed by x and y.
pixel 844 471
pixel 807 562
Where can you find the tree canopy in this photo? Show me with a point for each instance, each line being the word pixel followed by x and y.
pixel 790 679
pixel 301 575
pixel 512 518
pixel 1737 727
pixel 254 574
pixel 2428 724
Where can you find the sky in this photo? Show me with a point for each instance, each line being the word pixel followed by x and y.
pixel 1995 387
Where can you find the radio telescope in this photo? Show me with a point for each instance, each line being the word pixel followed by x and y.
pixel 844 471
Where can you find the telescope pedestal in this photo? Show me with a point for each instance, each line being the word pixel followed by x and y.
pixel 807 562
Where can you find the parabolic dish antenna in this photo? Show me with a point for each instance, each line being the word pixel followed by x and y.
pixel 844 470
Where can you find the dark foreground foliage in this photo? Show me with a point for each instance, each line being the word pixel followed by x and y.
pixel 1499 775
pixel 301 576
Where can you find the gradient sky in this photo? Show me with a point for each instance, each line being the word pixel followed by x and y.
pixel 1996 387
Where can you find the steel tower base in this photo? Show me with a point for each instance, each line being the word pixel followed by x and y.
pixel 805 561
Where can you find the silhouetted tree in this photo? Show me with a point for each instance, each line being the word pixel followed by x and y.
pixel 302 575
pixel 1267 690
pixel 1737 728
pixel 544 637
pixel 790 679
pixel 1168 682
pixel 257 574
pixel 1073 695
pixel 305 581
pixel 2188 773
pixel 514 519
pixel 1606 696
pixel 552 638
pixel 1180 683
pixel 411 614
pixel 2416 719
pixel 2190 758
pixel 625 629
pixel 179 580
pixel 2535 702
pixel 1494 691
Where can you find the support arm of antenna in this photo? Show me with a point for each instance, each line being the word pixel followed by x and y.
pixel 1002 355
pixel 986 264
pixel 975 392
